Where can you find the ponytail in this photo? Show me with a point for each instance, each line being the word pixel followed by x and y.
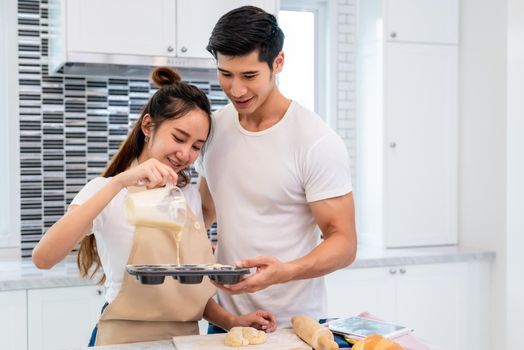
pixel 87 256
pixel 135 141
pixel 173 100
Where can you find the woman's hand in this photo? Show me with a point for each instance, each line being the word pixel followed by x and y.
pixel 260 319
pixel 151 173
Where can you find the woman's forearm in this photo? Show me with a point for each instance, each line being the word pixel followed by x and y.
pixel 208 206
pixel 65 234
pixel 216 314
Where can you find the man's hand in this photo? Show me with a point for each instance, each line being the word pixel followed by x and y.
pixel 269 271
pixel 260 319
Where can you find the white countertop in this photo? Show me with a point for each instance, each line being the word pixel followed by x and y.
pixel 22 274
pixel 370 256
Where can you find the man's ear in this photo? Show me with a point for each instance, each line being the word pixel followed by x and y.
pixel 278 63
pixel 147 125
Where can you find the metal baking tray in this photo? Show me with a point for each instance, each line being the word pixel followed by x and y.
pixel 187 273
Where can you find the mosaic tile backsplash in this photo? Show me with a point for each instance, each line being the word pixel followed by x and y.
pixel 69 126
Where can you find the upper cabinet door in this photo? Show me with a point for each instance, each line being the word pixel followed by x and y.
pixel 424 21
pixel 120 26
pixel 190 14
pixel 421 144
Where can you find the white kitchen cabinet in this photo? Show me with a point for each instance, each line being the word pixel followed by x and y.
pixel 425 21
pixel 352 291
pixel 407 125
pixel 145 27
pixel 13 318
pixel 137 32
pixel 442 302
pixel 190 14
pixel 62 318
pixel 421 21
pixel 431 299
pixel 420 139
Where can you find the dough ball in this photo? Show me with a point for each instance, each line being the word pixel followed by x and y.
pixel 235 338
pixel 244 336
pixel 254 336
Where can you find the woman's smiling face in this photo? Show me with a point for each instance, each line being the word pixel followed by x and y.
pixel 177 142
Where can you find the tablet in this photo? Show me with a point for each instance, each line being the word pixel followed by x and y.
pixel 362 327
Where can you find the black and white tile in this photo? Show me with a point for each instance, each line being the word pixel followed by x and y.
pixel 70 126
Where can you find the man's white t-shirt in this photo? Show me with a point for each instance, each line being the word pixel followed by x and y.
pixel 261 184
pixel 114 235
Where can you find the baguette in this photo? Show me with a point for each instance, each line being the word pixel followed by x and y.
pixel 310 331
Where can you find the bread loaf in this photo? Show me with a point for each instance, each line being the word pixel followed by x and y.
pixel 310 331
pixel 376 342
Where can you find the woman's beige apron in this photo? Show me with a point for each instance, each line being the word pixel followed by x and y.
pixel 142 312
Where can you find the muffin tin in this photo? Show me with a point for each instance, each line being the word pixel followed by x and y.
pixel 187 274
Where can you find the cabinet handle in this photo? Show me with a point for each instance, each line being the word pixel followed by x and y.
pixel 99 291
pixel 392 271
pixel 402 270
pixel 183 49
pixel 393 35
pixel 170 49
pixel 392 144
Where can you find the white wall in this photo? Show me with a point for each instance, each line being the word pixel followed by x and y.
pixel 345 74
pixel 482 122
pixel 3 118
pixel 9 151
pixel 482 175
pixel 515 175
pixel 491 189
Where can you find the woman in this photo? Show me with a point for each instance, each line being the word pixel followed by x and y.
pixel 168 137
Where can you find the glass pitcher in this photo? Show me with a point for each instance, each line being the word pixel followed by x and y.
pixel 163 208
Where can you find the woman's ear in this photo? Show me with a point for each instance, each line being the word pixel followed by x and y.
pixel 147 125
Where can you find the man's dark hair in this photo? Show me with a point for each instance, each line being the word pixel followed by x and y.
pixel 244 30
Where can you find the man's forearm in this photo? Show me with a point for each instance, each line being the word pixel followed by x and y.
pixel 333 253
pixel 336 219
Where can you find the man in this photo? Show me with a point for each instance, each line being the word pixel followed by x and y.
pixel 275 177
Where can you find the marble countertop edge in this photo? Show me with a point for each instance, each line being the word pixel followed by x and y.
pixel 23 275
pixel 43 283
pixel 421 259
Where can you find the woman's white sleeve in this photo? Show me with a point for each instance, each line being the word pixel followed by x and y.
pixel 87 192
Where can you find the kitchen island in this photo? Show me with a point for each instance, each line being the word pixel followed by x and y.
pixel 281 339
pixel 394 284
